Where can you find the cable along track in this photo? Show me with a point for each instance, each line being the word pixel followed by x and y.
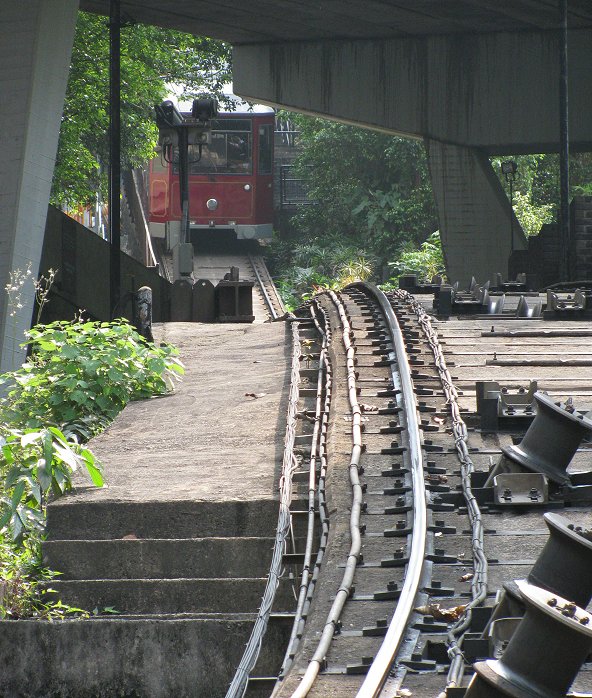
pixel 379 537
pixel 372 611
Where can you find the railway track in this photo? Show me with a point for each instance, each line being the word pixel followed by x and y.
pixel 214 263
pixel 397 577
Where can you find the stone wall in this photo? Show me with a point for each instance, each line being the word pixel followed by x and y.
pixel 581 219
pixel 543 258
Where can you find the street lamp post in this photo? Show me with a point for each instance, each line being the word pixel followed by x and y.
pixel 509 169
pixel 176 131
pixel 114 156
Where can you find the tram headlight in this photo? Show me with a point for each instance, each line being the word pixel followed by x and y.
pixel 247 187
pixel 204 108
pixel 212 204
pixel 167 115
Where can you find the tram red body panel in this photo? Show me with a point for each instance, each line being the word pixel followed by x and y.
pixel 235 172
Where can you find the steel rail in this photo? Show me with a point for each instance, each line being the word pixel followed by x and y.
pixel 263 286
pixel 386 656
pixel 238 685
pixel 345 587
pixel 479 582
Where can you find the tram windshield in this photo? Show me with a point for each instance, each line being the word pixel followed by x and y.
pixel 229 151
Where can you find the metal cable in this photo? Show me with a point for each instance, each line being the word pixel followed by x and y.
pixel 318 444
pixel 289 464
pixel 345 587
pixel 479 582
pixel 322 505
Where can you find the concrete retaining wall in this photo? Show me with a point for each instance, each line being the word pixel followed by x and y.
pixel 82 258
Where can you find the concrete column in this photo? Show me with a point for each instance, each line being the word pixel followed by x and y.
pixel 474 213
pixel 35 45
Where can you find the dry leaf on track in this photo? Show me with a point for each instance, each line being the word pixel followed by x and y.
pixel 439 613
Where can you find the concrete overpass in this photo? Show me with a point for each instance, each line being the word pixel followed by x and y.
pixel 472 77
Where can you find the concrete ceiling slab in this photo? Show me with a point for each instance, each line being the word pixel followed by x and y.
pixel 260 21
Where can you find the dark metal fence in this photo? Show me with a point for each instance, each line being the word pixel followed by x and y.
pixel 293 191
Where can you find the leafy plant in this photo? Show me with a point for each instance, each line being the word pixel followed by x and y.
pixel 83 373
pixel 372 190
pixel 536 186
pixel 78 377
pixel 427 262
pixel 311 266
pixel 35 464
pixel 24 586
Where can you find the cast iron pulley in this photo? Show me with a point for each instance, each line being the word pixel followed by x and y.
pixel 543 656
pixel 551 440
pixel 564 565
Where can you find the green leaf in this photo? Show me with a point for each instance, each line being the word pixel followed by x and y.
pixel 5 518
pixel 66 455
pixel 44 474
pixel 17 495
pixel 30 437
pixel 95 474
pixel 79 397
pixel 12 477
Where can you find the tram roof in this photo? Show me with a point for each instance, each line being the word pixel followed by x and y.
pixel 273 21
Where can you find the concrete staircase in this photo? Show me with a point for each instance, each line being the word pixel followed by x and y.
pixel 186 579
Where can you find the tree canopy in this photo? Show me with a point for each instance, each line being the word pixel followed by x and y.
pixel 368 186
pixel 372 201
pixel 151 59
pixel 536 185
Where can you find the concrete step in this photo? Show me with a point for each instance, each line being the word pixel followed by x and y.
pixel 271 656
pixel 260 686
pixel 148 596
pixel 147 658
pixel 69 518
pixel 159 558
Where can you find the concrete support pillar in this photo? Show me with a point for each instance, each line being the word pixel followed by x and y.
pixel 474 213
pixel 35 45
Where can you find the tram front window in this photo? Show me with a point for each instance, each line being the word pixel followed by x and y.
pixel 227 153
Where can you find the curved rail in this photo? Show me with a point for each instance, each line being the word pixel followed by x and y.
pixel 401 374
pixel 289 464
pixel 264 285
pixel 380 668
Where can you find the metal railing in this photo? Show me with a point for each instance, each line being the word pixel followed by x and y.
pixel 293 190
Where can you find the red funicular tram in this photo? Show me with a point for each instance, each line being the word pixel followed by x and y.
pixel 230 186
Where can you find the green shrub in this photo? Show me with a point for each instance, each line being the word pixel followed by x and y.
pixel 25 590
pixel 34 465
pixel 78 378
pixel 426 262
pixel 81 375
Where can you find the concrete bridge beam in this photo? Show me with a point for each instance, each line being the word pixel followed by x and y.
pixel 497 91
pixel 35 45
pixel 467 95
